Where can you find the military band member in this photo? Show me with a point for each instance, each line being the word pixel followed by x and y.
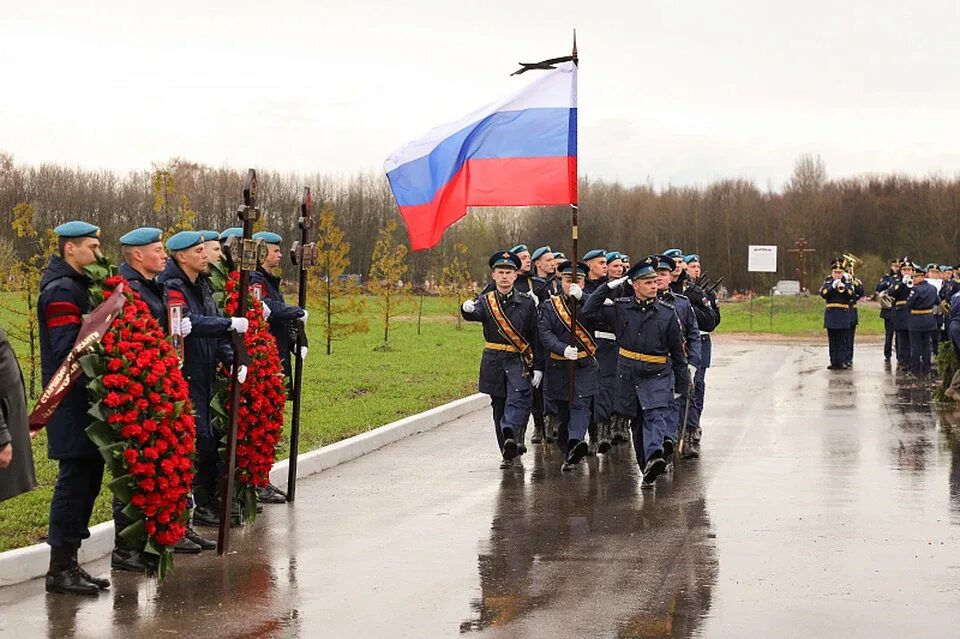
pixel 885 286
pixel 837 290
pixel 858 292
pixel 707 310
pixel 512 362
pixel 556 339
pixel 922 303
pixel 651 364
pixel 947 290
pixel 64 299
pixel 185 284
pixel 901 314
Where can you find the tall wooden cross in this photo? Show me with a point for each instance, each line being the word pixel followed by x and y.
pixel 801 250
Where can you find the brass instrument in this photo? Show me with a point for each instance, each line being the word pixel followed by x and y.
pixel 851 262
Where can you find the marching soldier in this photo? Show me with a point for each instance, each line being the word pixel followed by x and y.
pixel 545 284
pixel 596 261
pixel 511 352
pixel 651 364
pixel 144 258
pixel 922 302
pixel 614 265
pixel 64 299
pixel 837 290
pixel 556 339
pixel 885 287
pixel 679 273
pixel 524 282
pixel 185 284
pixel 707 311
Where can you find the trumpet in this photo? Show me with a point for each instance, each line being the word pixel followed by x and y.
pixel 851 262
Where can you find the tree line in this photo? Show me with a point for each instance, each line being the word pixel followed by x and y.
pixel 874 216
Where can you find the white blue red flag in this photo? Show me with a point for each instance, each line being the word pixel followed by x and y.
pixel 518 151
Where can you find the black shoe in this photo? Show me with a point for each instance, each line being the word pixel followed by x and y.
pixel 127 560
pixel 667 448
pixel 509 449
pixel 187 547
pixel 577 452
pixel 831 367
pixel 846 365
pixel 206 516
pixel 521 449
pixel 70 581
pixel 198 539
pixel 654 468
pixel 691 449
pixel 267 495
pixel 566 467
pixel 506 463
pixel 99 582
pixel 537 436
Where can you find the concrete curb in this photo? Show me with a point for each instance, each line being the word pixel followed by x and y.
pixel 23 564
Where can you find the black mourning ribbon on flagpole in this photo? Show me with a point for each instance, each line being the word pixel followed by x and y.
pixel 545 65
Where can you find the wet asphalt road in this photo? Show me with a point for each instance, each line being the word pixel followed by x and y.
pixel 826 504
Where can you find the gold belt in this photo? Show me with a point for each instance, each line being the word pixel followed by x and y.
pixel 838 306
pixel 580 355
pixel 493 346
pixel 921 311
pixel 643 357
pixel 901 302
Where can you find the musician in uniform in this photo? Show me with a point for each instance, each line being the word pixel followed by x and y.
pixel 512 362
pixel 837 290
pixel 900 291
pixel 922 303
pixel 884 289
pixel 651 363
pixel 858 292
pixel 64 299
pixel 564 348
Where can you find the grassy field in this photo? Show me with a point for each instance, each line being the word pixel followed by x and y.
pixel 792 316
pixel 357 388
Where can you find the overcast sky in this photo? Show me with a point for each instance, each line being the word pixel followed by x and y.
pixel 671 91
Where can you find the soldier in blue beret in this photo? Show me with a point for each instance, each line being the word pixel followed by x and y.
pixel 233 231
pixel 596 261
pixel 707 311
pixel 651 364
pixel 64 299
pixel 285 322
pixel 922 302
pixel 545 283
pixel 615 268
pixel 837 290
pixel 564 347
pixel 512 362
pixel 211 244
pixel 186 284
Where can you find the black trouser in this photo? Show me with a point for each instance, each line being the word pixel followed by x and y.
pixel 538 408
pixel 838 342
pixel 888 333
pixel 903 347
pixel 76 490
pixel 208 471
pixel 850 339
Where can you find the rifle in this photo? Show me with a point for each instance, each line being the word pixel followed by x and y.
pixel 302 254
pixel 248 214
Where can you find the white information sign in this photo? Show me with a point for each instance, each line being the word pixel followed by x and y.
pixel 762 259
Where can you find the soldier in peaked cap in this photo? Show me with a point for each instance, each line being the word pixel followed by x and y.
pixel 512 362
pixel 922 323
pixel 651 364
pixel 524 282
pixel 837 290
pixel 186 284
pixel 285 321
pixel 64 299
pixel 884 290
pixel 564 347
pixel 899 292
pixel 858 292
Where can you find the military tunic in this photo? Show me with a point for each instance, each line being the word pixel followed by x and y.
pixel 922 322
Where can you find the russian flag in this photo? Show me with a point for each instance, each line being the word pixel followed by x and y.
pixel 518 151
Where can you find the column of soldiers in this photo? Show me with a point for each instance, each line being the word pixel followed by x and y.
pixel 174 273
pixel 632 369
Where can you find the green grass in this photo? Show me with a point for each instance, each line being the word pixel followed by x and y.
pixel 357 388
pixel 792 316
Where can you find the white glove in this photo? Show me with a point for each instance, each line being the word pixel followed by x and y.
pixel 576 292
pixel 836 283
pixel 537 378
pixel 676 395
pixel 570 352
pixel 185 326
pixel 608 302
pixel 266 310
pixel 239 324
pixel 242 374
pixel 303 352
pixel 536 300
pixel 693 372
pixel 469 306
pixel 303 318
pixel 612 284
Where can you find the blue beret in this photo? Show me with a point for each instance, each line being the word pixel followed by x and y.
pixel 614 255
pixel 624 258
pixel 233 231
pixel 693 257
pixel 594 254
pixel 504 259
pixel 540 253
pixel 567 268
pixel 268 237
pixel 946 267
pixel 184 240
pixel 76 228
pixel 209 236
pixel 644 269
pixel 932 267
pixel 672 253
pixel 141 236
pixel 558 255
pixel 664 262
pixel 519 248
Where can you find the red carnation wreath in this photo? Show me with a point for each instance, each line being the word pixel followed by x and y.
pixel 142 423
pixel 262 399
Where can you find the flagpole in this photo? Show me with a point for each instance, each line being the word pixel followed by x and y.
pixel 574 231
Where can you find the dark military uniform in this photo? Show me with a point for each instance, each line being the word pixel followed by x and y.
pixel 900 291
pixel 202 349
pixel 150 291
pixel 707 313
pixel 922 303
pixel 284 318
pixel 690 330
pixel 858 292
pixel 886 314
pixel 836 319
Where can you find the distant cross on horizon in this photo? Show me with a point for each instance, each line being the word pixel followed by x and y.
pixel 801 250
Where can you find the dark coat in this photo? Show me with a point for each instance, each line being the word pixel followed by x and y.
pixel 858 292
pixel 283 317
pixel 555 337
pixel 19 476
pixel 922 302
pixel 688 324
pixel 497 368
pixel 543 288
pixel 150 292
pixel 208 340
pixel 900 291
pixel 64 299
pixel 836 315
pixel 886 283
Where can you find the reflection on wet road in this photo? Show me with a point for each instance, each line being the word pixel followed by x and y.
pixel 825 504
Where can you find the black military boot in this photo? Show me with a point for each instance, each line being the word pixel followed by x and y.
pixel 64 575
pixel 270 494
pixel 603 437
pixel 620 430
pixel 538 433
pixel 206 516
pixel 654 468
pixel 522 440
pixel 592 432
pixel 126 558
pixel 551 427
pixel 509 444
pixel 186 546
pixel 577 452
pixel 200 540
pixel 99 582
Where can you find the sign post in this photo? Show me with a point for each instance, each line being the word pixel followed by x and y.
pixel 760 259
